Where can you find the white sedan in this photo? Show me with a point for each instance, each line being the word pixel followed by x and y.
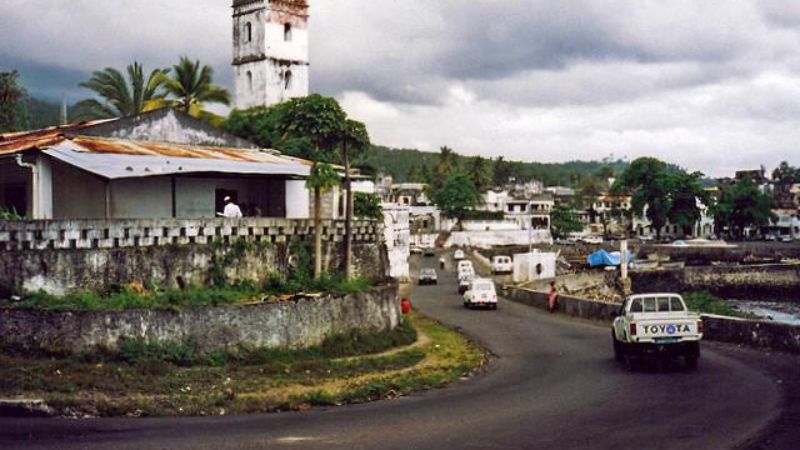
pixel 459 255
pixel 481 293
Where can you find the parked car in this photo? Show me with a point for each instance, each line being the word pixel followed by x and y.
pixel 430 252
pixel 787 238
pixel 428 276
pixel 415 250
pixel 592 240
pixel 459 255
pixel 464 264
pixel 656 325
pixel 502 264
pixel 481 293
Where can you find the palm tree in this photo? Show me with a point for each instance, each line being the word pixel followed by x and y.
pixel 192 86
pixel 123 97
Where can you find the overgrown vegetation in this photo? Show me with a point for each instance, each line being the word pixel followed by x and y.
pixel 10 214
pixel 157 380
pixel 704 302
pixel 221 292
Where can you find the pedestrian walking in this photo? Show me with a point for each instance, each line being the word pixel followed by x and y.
pixel 552 300
pixel 441 263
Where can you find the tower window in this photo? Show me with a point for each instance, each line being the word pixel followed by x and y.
pixel 287 32
pixel 248 32
pixel 249 80
pixel 287 80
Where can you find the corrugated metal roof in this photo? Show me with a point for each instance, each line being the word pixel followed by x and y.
pixel 27 140
pixel 136 162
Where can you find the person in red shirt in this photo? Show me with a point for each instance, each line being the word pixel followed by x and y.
pixel 552 300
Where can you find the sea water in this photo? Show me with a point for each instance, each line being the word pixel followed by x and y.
pixel 782 312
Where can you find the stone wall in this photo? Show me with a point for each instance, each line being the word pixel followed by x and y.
pixel 756 282
pixel 295 324
pixel 759 334
pixel 573 306
pixel 62 256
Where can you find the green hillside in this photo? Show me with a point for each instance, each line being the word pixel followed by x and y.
pixel 408 165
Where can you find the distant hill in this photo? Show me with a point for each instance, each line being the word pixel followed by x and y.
pixel 408 165
pixel 43 113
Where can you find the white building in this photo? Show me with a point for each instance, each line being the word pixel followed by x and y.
pixel 161 164
pixel 531 213
pixel 270 51
pixel 397 235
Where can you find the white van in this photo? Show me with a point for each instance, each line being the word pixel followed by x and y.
pixel 463 264
pixel 502 264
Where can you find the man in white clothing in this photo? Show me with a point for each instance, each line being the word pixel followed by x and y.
pixel 232 210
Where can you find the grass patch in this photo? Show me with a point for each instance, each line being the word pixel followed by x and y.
pixel 150 380
pixel 704 302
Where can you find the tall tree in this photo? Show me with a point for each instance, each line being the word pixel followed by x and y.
pixel 13 110
pixel 502 171
pixel 742 205
pixel 563 221
pixel 481 172
pixel 686 195
pixel 448 163
pixel 457 195
pixel 121 96
pixel 321 120
pixel 786 174
pixel 648 181
pixel 191 87
pixel 353 140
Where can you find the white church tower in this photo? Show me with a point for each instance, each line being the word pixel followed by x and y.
pixel 270 51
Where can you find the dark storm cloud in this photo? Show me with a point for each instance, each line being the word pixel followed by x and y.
pixel 710 84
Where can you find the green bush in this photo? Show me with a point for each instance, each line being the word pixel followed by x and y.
pixel 704 302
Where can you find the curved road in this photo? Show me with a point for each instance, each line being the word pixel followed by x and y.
pixel 552 383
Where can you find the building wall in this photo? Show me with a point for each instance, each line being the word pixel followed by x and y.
pixel 297 200
pixel 77 194
pixel 141 198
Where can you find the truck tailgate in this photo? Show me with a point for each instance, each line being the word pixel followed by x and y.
pixel 667 330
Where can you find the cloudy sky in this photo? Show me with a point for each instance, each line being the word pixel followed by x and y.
pixel 710 85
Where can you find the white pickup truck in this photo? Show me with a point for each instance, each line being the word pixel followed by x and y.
pixel 659 325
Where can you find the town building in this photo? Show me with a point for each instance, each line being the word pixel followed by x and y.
pixel 162 164
pixel 270 51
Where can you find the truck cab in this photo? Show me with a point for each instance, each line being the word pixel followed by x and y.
pixel 656 325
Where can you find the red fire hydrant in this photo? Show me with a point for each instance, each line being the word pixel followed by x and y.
pixel 405 306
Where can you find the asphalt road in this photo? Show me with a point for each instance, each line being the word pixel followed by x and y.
pixel 552 384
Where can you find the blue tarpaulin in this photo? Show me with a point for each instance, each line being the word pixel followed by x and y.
pixel 604 258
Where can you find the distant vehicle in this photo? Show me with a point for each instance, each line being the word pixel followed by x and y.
pixel 502 264
pixel 770 237
pixel 787 238
pixel 592 240
pixel 679 243
pixel 459 255
pixel 464 264
pixel 464 281
pixel 646 238
pixel 416 250
pixel 481 293
pixel 565 241
pixel 656 325
pixel 430 251
pixel 428 276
